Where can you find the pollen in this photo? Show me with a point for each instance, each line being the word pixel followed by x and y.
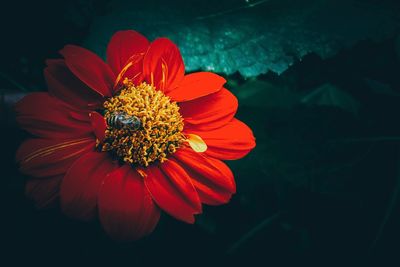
pixel 159 134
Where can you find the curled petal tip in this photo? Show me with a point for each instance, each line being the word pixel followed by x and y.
pixel 196 143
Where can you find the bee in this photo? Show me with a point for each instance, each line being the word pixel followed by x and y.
pixel 121 120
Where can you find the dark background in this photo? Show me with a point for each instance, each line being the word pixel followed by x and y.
pixel 320 189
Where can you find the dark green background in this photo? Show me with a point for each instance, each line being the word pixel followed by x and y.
pixel 320 189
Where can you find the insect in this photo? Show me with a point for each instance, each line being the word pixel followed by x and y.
pixel 121 120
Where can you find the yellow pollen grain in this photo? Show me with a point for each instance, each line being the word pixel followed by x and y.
pixel 161 128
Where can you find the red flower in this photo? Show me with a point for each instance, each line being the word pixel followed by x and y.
pixel 125 139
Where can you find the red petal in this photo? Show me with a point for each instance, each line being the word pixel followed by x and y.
pixel 210 112
pixel 232 141
pixel 44 192
pixel 47 117
pixel 173 191
pixel 196 85
pixel 163 65
pixel 99 125
pixel 64 85
pixel 43 157
pixel 81 184
pixel 211 177
pixel 89 68
pixel 126 209
pixel 123 47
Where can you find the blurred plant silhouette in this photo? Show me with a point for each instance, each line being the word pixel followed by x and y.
pixel 317 81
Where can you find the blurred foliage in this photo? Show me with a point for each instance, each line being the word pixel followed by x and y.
pixel 321 187
pixel 329 95
pixel 250 37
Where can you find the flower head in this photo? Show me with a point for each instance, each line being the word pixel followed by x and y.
pixel 127 139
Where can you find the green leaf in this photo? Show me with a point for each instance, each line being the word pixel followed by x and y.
pixel 240 36
pixel 329 95
pixel 263 94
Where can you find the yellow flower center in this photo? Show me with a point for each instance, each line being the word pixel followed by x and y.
pixel 143 125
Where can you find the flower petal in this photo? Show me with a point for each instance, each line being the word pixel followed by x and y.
pixel 172 190
pixel 163 65
pixel 99 125
pixel 89 68
pixel 124 47
pixel 211 177
pixel 196 143
pixel 47 117
pixel 81 184
pixel 44 157
pixel 211 111
pixel 44 192
pixel 126 209
pixel 232 141
pixel 64 85
pixel 196 85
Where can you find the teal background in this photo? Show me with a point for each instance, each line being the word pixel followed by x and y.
pixel 317 81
